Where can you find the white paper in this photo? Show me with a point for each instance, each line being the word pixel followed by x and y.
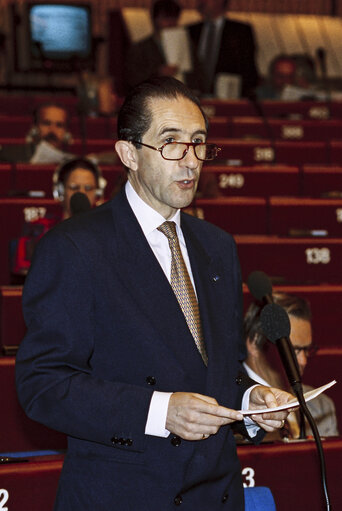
pixel 47 153
pixel 176 48
pixel 293 403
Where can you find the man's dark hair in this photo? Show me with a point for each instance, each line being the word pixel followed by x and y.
pixel 135 115
pixel 64 170
pixel 165 9
pixel 294 306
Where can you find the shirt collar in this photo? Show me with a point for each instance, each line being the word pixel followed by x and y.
pixel 148 218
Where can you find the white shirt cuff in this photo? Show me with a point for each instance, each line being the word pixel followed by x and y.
pixel 157 414
pixel 251 426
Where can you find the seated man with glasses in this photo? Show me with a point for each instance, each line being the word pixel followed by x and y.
pixel 259 353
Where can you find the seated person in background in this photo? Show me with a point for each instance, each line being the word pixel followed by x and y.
pixel 46 142
pixel 258 366
pixel 148 57
pixel 223 46
pixel 288 75
pixel 76 175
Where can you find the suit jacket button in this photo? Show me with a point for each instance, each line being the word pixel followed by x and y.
pixel 238 380
pixel 121 441
pixel 128 442
pixel 114 440
pixel 225 497
pixel 176 441
pixel 151 380
pixel 178 500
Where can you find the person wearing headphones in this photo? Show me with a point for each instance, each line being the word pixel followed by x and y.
pixel 75 175
pixel 47 140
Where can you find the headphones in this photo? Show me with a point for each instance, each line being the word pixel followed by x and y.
pixel 67 167
pixel 33 136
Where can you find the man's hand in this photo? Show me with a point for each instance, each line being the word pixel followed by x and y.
pixel 195 417
pixel 268 397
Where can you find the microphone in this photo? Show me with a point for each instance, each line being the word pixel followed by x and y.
pixel 260 286
pixel 79 203
pixel 276 326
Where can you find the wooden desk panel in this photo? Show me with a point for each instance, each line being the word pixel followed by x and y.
pixel 290 260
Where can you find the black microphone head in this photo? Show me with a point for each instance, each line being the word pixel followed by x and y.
pixel 275 322
pixel 79 203
pixel 259 285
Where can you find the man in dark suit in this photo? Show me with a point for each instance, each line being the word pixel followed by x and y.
pixel 133 341
pixel 223 46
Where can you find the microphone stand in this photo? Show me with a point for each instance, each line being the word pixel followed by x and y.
pixel 298 390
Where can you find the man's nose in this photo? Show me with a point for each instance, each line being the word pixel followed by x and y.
pixel 190 160
pixel 302 359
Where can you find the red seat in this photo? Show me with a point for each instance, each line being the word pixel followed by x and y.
pixel 12 216
pixel 303 109
pixel 6 178
pixel 231 108
pixel 292 472
pixel 326 305
pixel 12 326
pixel 27 176
pixel 324 367
pixel 292 261
pixel 251 152
pixel 30 484
pixel 234 214
pixel 320 180
pixel 25 104
pixel 256 180
pixel 285 129
pixel 305 214
pixel 18 432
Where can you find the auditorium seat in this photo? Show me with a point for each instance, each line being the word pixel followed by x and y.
pixel 290 260
pixel 35 481
pixel 304 214
pixel 301 109
pixel 235 214
pixel 12 326
pixel 18 432
pixel 326 305
pixel 285 129
pixel 30 483
pixel 16 126
pixel 227 108
pixel 25 104
pixel 321 180
pixel 5 178
pixel 12 216
pixel 251 152
pixel 28 177
pixel 335 152
pixel 325 366
pixel 292 472
pixel 271 108
pixel 255 180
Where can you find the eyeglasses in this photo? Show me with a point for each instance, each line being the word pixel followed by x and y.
pixel 309 351
pixel 178 150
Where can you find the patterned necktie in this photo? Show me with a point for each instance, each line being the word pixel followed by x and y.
pixel 183 289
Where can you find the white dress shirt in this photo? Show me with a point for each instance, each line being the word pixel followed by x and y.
pixel 149 219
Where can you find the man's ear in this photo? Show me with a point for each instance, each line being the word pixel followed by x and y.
pixel 252 348
pixel 127 154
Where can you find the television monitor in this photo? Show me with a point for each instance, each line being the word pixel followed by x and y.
pixel 60 32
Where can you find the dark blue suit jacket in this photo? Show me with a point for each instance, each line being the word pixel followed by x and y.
pixel 105 331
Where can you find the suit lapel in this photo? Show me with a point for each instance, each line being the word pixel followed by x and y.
pixel 214 303
pixel 143 277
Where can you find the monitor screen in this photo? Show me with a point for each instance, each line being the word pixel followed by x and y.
pixel 60 31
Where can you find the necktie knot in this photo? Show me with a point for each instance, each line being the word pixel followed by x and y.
pixel 169 230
